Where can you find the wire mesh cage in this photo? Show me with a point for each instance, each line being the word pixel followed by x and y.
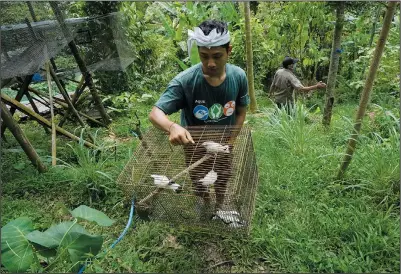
pixel 209 185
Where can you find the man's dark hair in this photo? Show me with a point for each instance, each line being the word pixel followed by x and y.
pixel 289 61
pixel 220 26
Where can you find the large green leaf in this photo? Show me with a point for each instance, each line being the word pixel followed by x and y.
pixel 90 214
pixel 194 55
pixel 44 251
pixel 68 236
pixel 84 245
pixel 181 63
pixel 16 251
pixel 167 24
pixel 43 239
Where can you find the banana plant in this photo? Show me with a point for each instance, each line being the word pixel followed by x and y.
pixel 176 18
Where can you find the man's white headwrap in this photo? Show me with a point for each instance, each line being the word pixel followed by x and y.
pixel 214 39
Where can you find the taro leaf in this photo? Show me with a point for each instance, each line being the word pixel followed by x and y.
pixel 60 234
pixel 43 243
pixel 72 237
pixel 44 251
pixel 90 214
pixel 43 239
pixel 83 246
pixel 16 251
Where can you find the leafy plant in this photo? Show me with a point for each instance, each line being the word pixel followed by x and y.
pixel 88 170
pixel 291 128
pixel 22 246
pixel 127 102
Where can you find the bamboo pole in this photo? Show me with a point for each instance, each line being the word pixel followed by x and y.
pixel 19 135
pixel 374 65
pixel 27 80
pixel 64 105
pixel 77 93
pixel 249 57
pixel 41 120
pixel 68 101
pixel 30 99
pixel 53 125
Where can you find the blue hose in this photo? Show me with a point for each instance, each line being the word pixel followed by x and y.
pixel 131 214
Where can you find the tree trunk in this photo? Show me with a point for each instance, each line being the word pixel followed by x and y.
pixel 374 65
pixel 334 61
pixel 81 63
pixel 249 57
pixel 19 135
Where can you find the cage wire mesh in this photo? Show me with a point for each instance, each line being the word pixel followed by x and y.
pixel 205 189
pixel 101 40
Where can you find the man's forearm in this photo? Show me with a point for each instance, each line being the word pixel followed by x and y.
pixel 240 120
pixel 306 89
pixel 159 119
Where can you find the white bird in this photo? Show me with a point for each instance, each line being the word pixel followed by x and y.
pixel 163 182
pixel 235 225
pixel 213 147
pixel 209 179
pixel 228 216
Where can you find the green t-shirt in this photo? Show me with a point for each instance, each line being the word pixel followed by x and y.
pixel 201 103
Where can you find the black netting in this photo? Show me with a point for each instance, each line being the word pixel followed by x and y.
pixel 100 40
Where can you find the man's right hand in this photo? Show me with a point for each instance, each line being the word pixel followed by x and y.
pixel 179 135
pixel 321 85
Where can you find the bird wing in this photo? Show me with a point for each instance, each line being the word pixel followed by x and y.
pixel 210 178
pixel 160 180
pixel 228 216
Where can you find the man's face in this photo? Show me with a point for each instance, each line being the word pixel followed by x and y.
pixel 214 59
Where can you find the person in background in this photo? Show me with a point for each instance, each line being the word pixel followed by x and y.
pixel 285 83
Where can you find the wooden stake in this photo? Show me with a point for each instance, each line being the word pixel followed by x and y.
pixel 76 95
pixel 68 101
pixel 27 80
pixel 19 135
pixel 53 124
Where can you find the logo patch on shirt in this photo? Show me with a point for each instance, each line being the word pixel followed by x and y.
pixel 229 108
pixel 201 112
pixel 215 111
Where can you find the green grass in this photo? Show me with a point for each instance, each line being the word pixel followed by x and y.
pixel 305 219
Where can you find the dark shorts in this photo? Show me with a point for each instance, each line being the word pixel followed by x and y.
pixel 287 106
